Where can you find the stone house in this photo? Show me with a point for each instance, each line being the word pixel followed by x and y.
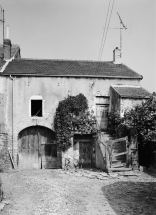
pixel 30 90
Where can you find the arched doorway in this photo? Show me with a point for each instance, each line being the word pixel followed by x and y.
pixel 37 148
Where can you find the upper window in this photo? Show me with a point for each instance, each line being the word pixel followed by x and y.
pixel 102 108
pixel 36 106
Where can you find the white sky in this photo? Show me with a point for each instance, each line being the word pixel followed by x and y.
pixel 72 29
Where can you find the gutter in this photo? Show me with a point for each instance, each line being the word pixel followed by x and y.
pixel 77 76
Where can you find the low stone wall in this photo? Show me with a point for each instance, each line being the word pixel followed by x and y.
pixel 5 162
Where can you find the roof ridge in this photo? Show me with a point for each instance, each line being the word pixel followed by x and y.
pixel 40 59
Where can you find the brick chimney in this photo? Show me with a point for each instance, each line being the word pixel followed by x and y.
pixel 7 45
pixel 117 56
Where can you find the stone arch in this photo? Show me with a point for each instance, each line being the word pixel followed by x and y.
pixel 29 123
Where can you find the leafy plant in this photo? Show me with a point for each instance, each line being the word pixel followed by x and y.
pixel 140 120
pixel 114 120
pixel 72 117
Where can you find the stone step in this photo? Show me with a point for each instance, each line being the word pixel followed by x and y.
pixel 120 169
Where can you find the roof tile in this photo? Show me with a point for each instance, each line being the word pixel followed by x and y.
pixel 39 67
pixel 132 92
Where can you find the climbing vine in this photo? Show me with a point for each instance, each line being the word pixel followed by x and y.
pixel 72 117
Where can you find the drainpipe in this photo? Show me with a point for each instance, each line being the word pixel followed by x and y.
pixel 12 117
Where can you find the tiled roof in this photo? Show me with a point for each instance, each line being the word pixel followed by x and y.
pixel 135 92
pixel 14 49
pixel 37 67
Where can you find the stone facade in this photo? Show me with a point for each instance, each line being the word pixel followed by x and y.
pixel 52 89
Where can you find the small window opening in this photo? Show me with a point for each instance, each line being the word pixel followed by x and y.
pixel 36 108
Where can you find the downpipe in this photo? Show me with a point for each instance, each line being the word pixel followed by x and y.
pixel 12 116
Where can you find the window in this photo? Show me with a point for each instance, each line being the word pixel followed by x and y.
pixel 36 108
pixel 102 111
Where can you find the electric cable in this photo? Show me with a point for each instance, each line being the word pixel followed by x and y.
pixel 107 31
pixel 104 31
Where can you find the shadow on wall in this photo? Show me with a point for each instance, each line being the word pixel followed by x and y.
pixel 128 197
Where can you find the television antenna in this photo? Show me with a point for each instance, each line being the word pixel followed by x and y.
pixel 2 19
pixel 122 26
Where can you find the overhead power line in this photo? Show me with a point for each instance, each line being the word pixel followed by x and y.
pixel 105 29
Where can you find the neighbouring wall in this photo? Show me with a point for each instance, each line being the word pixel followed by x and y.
pixel 114 100
pixel 126 103
pixel 2 104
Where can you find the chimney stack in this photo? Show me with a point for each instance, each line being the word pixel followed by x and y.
pixel 7 32
pixel 117 56
pixel 7 45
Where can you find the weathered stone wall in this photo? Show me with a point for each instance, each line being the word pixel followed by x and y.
pixel 100 150
pixel 114 100
pixel 68 157
pixel 52 90
pixel 76 154
pixel 2 104
pixel 5 162
pixel 129 103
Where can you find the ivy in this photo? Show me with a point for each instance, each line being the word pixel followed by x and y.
pixel 72 117
pixel 114 120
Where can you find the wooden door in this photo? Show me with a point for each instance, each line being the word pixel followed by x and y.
pixel 28 143
pixel 85 154
pixel 37 148
pixel 49 156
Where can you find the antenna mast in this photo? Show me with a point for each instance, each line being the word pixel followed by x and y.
pixel 3 27
pixel 2 20
pixel 122 26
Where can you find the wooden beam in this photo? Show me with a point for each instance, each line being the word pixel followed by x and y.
pixel 119 139
pixel 122 153
pixel 11 160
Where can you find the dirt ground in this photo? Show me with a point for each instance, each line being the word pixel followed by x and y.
pixel 56 192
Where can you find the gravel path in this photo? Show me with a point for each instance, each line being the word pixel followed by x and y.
pixel 53 192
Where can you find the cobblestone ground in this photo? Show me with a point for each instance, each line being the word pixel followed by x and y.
pixel 56 192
